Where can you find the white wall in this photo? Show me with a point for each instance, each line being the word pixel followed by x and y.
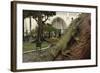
pixel 5 37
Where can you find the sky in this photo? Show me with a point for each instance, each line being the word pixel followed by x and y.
pixel 66 16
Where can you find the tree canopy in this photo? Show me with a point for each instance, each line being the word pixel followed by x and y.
pixel 36 14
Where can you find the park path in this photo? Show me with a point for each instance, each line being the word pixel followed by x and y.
pixel 34 55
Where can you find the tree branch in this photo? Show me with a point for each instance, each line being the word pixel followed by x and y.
pixel 46 18
pixel 36 20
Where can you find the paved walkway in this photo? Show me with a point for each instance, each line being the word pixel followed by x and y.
pixel 34 55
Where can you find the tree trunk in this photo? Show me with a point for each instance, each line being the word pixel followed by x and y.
pixel 49 33
pixel 30 38
pixel 30 25
pixel 59 33
pixel 39 34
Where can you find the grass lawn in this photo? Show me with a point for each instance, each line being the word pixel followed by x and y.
pixel 27 46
